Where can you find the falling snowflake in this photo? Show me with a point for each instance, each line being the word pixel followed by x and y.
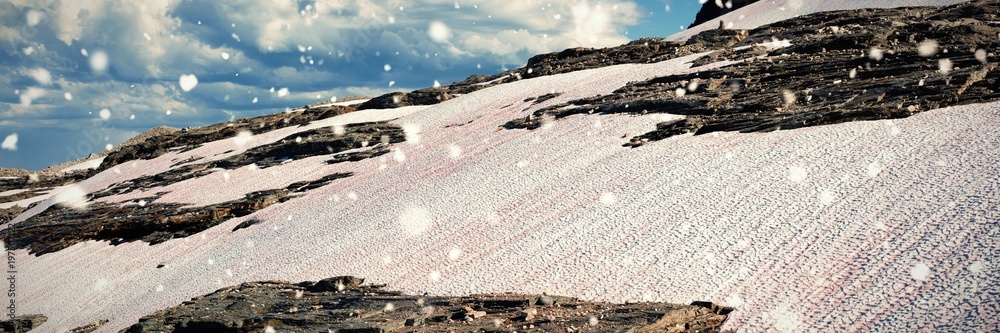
pixel 875 54
pixel 68 96
pixel 976 267
pixel 873 169
pixel 454 151
pixel 692 86
pixel 454 253
pixel 786 319
pixel 282 92
pixel 188 82
pixel 680 92
pixel 826 197
pixel 920 272
pixel 242 138
pixel 414 220
pixel 74 197
pixel 98 61
pixel 734 300
pixel 389 307
pixel 159 288
pixel 105 114
pixel 339 129
pixel 437 84
pixel 10 142
pixel 412 132
pixel 608 198
pixel 927 48
pixel 387 67
pixel 398 155
pixel 981 56
pixel 100 284
pixel 788 96
pixel 438 32
pixel 592 321
pixel 797 174
pixel 225 56
pixel 944 66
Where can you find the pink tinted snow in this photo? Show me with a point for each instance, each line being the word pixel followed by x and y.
pixel 770 11
pixel 822 228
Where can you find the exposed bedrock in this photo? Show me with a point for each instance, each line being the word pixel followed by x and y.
pixel 841 66
pixel 714 8
pixel 145 219
pixel 342 304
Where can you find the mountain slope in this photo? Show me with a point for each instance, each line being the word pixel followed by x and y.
pixel 858 226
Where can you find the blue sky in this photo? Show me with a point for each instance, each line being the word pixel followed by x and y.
pixel 65 61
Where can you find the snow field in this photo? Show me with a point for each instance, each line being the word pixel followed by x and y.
pixel 866 226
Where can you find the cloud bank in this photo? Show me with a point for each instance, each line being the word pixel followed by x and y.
pixel 64 61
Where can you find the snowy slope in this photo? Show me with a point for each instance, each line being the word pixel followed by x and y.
pixel 868 226
pixel 770 11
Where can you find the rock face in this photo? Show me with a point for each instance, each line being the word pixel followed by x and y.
pixel 645 50
pixel 342 304
pixel 840 67
pixel 191 138
pixel 427 96
pixel 715 8
pixel 22 323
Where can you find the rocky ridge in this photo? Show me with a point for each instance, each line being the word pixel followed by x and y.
pixel 712 9
pixel 147 220
pixel 818 69
pixel 343 304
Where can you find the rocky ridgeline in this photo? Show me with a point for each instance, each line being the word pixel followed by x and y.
pixel 145 219
pixel 342 304
pixel 715 8
pixel 645 50
pixel 840 67
pixel 190 138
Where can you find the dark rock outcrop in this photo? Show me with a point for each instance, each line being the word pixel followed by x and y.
pixel 342 304
pixel 59 227
pixel 712 9
pixel 428 96
pixel 841 66
pixel 23 323
pixel 645 50
pixel 147 220
pixel 190 138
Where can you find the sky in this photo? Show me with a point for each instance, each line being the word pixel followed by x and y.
pixel 79 77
